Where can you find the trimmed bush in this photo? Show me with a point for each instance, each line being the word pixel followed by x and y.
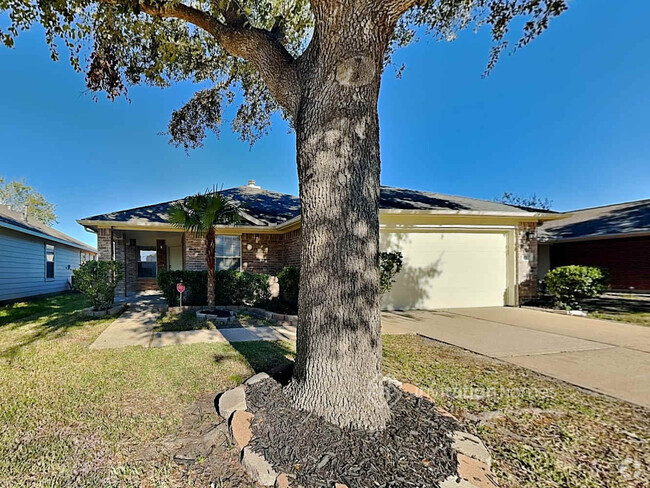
pixel 230 287
pixel 289 282
pixel 97 281
pixel 569 284
pixel 196 287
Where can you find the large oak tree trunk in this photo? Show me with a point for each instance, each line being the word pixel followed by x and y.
pixel 338 363
pixel 210 262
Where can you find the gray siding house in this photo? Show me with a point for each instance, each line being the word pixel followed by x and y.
pixel 36 259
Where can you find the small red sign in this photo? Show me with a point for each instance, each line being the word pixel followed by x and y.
pixel 180 288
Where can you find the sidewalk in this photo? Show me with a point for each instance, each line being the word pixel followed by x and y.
pixel 135 327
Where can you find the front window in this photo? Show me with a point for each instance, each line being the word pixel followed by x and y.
pixel 49 262
pixel 147 262
pixel 228 253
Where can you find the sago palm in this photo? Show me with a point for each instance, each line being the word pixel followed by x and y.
pixel 200 214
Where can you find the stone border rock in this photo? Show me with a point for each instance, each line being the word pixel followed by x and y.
pixel 474 460
pixel 216 318
pixel 112 312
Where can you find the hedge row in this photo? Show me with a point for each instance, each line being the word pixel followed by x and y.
pixel 230 287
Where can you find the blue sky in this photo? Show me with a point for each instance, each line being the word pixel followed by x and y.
pixel 567 118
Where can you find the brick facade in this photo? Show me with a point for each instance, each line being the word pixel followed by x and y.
pixel 104 244
pixel 527 261
pixel 269 253
pixel 627 259
pixel 131 266
pixel 292 248
pixel 194 252
pixel 262 253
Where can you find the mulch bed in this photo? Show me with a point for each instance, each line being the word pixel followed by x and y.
pixel 414 450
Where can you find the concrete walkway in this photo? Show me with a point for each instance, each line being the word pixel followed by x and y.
pixel 135 327
pixel 608 357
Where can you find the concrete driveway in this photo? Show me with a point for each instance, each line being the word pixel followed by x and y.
pixel 608 357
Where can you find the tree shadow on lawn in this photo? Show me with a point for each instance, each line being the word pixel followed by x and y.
pixel 42 320
pixel 272 357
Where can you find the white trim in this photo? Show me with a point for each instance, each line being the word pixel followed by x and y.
pixel 481 213
pixel 448 227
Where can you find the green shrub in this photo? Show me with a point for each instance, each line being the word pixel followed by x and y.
pixel 196 286
pixel 390 263
pixel 289 282
pixel 225 288
pixel 253 288
pixel 97 281
pixel 569 284
pixel 230 287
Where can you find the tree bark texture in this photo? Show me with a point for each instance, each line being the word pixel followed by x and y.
pixel 331 92
pixel 338 363
pixel 210 243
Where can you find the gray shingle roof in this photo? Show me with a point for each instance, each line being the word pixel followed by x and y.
pixel 14 221
pixel 610 220
pixel 392 198
pixel 270 208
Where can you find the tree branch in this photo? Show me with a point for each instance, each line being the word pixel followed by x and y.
pixel 397 8
pixel 275 64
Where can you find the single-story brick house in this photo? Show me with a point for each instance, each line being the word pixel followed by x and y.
pixel 616 237
pixel 36 259
pixel 458 252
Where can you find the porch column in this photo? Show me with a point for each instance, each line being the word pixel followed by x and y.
pixel 119 245
pixel 161 254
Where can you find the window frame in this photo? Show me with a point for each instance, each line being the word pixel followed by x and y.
pixel 46 262
pixel 147 248
pixel 217 257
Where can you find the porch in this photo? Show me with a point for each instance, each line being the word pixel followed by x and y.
pixel 144 254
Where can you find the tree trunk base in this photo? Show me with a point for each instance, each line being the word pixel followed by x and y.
pixel 354 400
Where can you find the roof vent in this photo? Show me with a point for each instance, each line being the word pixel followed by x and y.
pixel 251 184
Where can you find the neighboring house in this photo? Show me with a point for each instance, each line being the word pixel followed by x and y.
pixel 458 252
pixel 34 258
pixel 616 237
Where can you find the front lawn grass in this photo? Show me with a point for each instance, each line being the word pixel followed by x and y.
pixel 638 318
pixel 541 432
pixel 72 416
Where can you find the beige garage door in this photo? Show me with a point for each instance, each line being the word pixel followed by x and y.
pixel 448 270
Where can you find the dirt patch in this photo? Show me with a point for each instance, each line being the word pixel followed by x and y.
pixel 201 449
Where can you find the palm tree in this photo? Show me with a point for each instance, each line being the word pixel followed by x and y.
pixel 200 214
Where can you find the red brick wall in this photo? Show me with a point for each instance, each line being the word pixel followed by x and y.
pixel 194 253
pixel 262 253
pixel 292 248
pixel 627 259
